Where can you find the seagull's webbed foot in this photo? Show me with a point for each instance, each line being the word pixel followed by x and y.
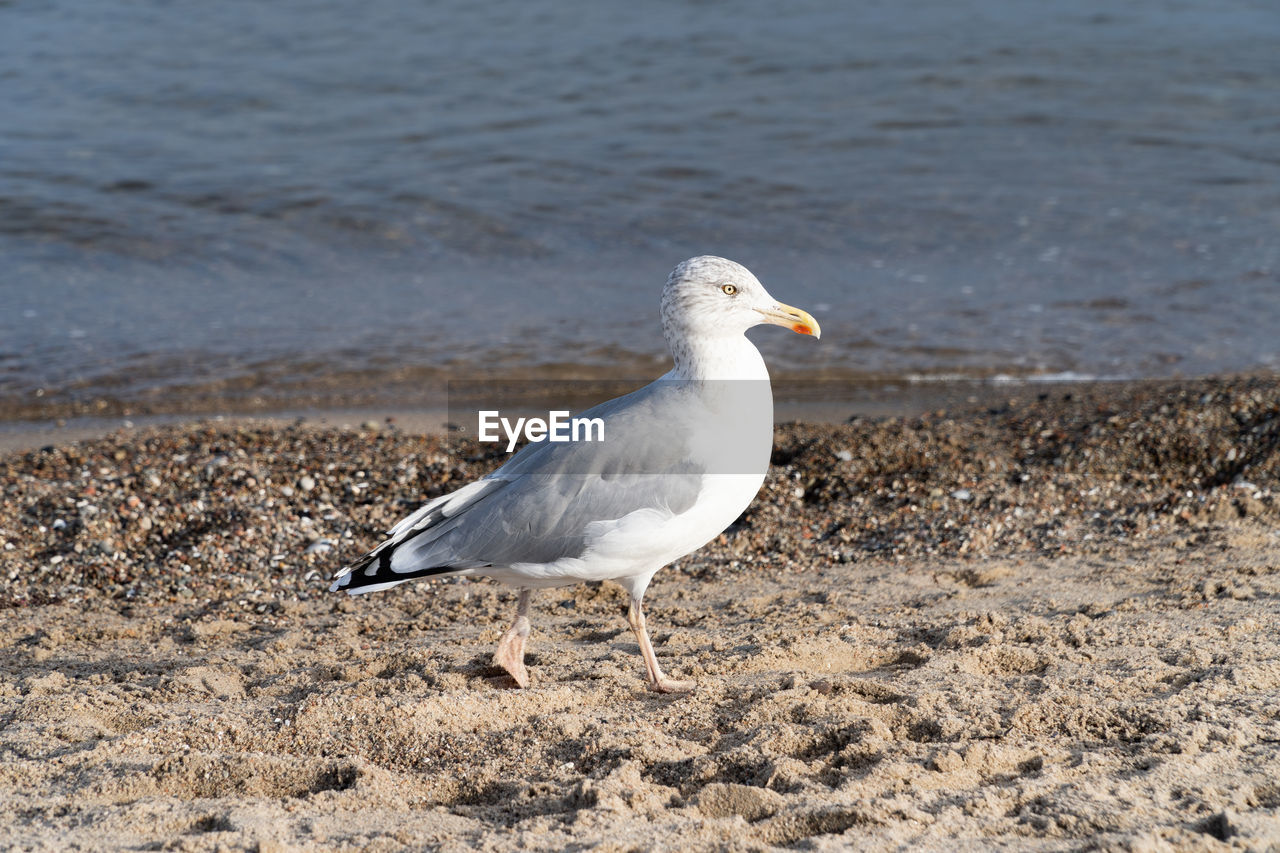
pixel 658 681
pixel 510 653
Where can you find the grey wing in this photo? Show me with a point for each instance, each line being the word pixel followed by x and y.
pixel 537 507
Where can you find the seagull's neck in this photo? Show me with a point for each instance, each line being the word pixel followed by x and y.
pixel 728 357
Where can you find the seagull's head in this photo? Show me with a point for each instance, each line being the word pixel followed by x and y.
pixel 714 297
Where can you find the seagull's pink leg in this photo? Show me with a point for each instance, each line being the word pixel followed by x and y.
pixel 510 654
pixel 657 681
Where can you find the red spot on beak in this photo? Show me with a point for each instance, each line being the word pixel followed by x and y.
pixel 801 328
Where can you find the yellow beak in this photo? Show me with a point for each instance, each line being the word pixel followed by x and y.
pixel 794 319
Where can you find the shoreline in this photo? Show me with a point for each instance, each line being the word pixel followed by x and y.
pixel 801 401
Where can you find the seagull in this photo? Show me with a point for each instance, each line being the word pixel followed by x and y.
pixel 680 460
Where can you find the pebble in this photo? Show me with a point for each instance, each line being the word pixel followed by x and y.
pixel 320 546
pixel 306 483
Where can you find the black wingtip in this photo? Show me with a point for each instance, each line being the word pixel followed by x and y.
pixel 358 575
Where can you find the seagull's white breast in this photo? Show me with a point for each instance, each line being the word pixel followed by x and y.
pixel 731 442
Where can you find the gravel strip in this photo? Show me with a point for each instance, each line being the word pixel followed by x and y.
pixel 253 516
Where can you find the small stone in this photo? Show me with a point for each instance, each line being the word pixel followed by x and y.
pixel 320 546
pixel 306 483
pixel 145 522
pixel 962 494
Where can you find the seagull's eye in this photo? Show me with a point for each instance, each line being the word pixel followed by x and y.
pixel 729 289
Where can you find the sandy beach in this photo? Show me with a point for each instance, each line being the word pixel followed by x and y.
pixel 1049 622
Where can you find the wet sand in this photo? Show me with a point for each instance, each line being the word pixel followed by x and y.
pixel 1048 623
